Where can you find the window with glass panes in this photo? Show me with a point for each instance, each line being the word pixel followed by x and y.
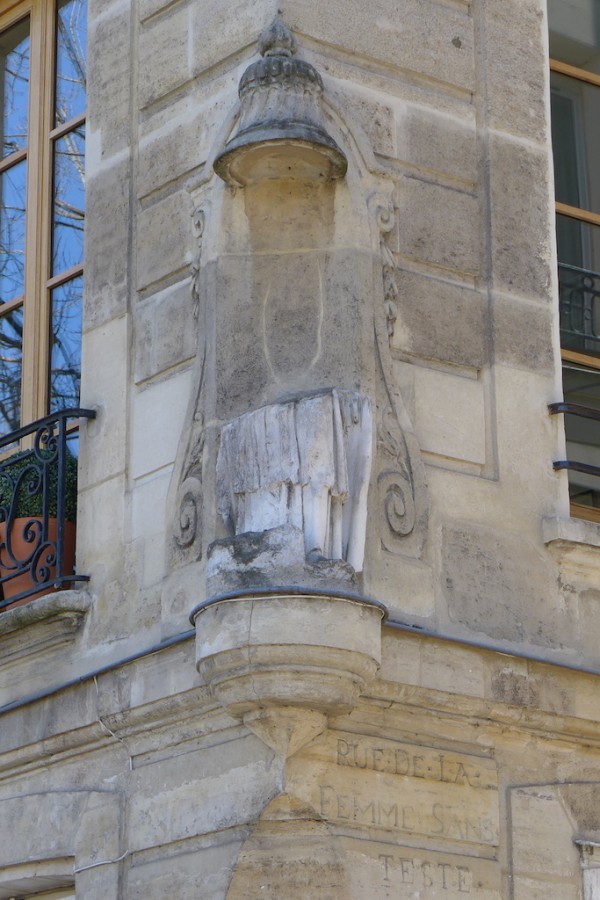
pixel 575 99
pixel 42 208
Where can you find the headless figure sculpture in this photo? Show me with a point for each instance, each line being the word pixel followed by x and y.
pixel 306 463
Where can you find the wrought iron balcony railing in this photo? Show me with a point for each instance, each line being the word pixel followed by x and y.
pixel 579 297
pixel 38 497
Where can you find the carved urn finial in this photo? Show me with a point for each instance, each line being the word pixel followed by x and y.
pixel 277 40
pixel 281 131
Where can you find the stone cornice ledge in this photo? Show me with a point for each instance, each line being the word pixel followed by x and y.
pixel 572 532
pixel 42 624
pixel 575 544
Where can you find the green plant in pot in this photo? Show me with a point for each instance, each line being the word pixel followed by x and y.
pixel 24 560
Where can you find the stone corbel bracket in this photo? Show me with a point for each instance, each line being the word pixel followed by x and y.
pixel 285 660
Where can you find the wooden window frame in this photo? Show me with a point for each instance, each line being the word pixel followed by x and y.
pixel 579 510
pixel 41 138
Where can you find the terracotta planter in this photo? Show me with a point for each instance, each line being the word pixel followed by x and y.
pixel 23 550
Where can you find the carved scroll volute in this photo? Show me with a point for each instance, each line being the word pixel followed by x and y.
pixel 401 483
pixel 386 221
pixel 395 484
pixel 199 222
pixel 187 482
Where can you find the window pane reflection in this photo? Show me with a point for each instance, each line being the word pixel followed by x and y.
pixel 66 345
pixel 14 86
pixel 11 358
pixel 70 59
pixel 575 117
pixel 12 231
pixel 69 201
pixel 575 32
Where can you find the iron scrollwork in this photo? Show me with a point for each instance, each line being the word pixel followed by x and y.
pixel 579 297
pixel 38 495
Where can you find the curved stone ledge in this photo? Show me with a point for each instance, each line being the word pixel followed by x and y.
pixel 288 658
pixel 41 624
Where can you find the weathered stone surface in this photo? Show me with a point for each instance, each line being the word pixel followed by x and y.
pixel 523 334
pixel 38 641
pixel 166 331
pixel 175 812
pixel 514 44
pixel 448 411
pixel 102 390
pixel 164 38
pixel 101 527
pixel 377 870
pixel 374 117
pixel 298 327
pixel 44 825
pixel 260 559
pixel 521 249
pixel 404 585
pixel 165 224
pixel 155 447
pixel 153 879
pixel 424 235
pixel 486 592
pixel 109 95
pixel 439 320
pixel 172 150
pixel 219 30
pixel 442 143
pixel 399 36
pixel 107 231
pixel 545 856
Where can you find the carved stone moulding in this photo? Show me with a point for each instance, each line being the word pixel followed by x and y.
pixel 281 131
pixel 284 661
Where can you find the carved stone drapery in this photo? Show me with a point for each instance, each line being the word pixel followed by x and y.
pixel 304 463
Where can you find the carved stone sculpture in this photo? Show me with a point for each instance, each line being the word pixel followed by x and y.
pixel 281 127
pixel 304 463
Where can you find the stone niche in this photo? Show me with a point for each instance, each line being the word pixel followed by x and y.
pixel 298 468
pixel 297 435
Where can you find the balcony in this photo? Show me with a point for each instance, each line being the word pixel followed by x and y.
pixel 579 297
pixel 38 498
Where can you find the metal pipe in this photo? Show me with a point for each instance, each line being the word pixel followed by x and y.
pixel 293 590
pixel 147 651
pixel 388 623
pixel 485 645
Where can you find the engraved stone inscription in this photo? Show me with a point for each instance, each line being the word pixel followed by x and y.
pixel 423 873
pixel 416 762
pixel 381 870
pixel 453 820
pixel 402 789
pixel 414 874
